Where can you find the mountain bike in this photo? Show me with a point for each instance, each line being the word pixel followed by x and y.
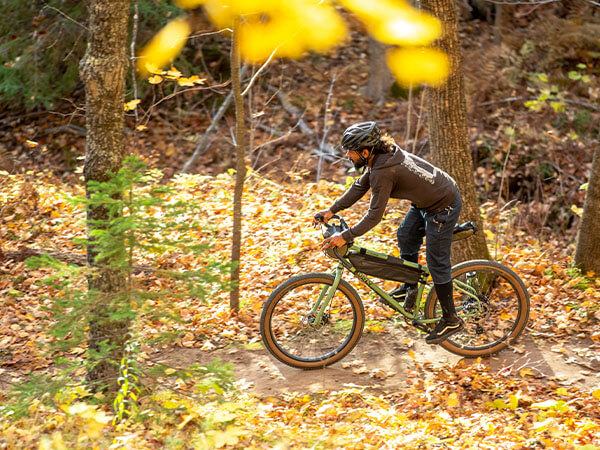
pixel 315 319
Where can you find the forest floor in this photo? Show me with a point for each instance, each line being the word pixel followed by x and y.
pixel 395 359
pixel 529 168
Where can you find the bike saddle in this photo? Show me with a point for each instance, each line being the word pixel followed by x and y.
pixel 463 231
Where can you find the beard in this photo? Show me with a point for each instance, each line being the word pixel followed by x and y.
pixel 360 165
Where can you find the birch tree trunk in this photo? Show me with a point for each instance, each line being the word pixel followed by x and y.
pixel 446 111
pixel 103 70
pixel 240 137
pixel 587 254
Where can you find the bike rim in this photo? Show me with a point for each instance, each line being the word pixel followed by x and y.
pixel 490 319
pixel 296 334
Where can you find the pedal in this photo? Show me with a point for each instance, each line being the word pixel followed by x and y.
pixel 420 326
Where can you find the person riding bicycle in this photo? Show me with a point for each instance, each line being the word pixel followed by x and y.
pixel 391 172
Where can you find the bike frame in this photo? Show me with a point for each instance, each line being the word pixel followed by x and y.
pixel 327 293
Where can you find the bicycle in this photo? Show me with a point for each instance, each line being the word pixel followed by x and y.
pixel 313 320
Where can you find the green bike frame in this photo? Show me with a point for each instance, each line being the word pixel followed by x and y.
pixel 327 292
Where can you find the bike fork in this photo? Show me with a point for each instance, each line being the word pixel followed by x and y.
pixel 325 297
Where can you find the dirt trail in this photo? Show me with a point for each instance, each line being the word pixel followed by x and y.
pixel 386 362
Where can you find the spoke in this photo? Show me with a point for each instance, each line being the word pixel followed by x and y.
pixel 311 340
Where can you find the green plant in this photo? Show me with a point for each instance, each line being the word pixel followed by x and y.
pixel 546 93
pixel 145 223
pixel 42 42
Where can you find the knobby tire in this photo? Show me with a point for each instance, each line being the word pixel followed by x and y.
pixel 285 328
pixel 504 314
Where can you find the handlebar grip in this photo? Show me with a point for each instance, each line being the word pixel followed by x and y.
pixel 319 217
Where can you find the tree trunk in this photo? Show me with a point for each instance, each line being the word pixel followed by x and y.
pixel 103 70
pixel 587 254
pixel 446 111
pixel 240 137
pixel 380 78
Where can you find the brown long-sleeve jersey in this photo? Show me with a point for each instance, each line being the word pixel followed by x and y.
pixel 399 175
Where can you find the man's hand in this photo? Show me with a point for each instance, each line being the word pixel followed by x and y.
pixel 334 241
pixel 325 215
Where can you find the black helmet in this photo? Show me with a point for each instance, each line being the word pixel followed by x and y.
pixel 361 135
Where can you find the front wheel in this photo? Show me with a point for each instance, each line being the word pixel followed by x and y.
pixel 290 329
pixel 493 302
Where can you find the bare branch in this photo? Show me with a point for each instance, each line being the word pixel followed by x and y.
pixel 203 88
pixel 325 126
pixel 208 33
pixel 293 110
pixel 136 16
pixel 259 71
pixel 203 144
pixel 281 137
pixel 66 16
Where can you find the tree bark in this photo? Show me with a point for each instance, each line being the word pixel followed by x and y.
pixel 103 70
pixel 446 111
pixel 380 78
pixel 240 137
pixel 587 254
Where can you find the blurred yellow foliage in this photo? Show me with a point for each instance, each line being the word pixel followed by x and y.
pixel 395 21
pixel 290 28
pixel 418 65
pixel 163 47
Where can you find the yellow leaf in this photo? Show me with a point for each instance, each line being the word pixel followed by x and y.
pixel 411 354
pixel 185 82
pixel 513 402
pixel 94 420
pixel 196 79
pixel 155 79
pixel 500 404
pixel 596 394
pixel 151 68
pixel 452 400
pixel 545 405
pixel 578 211
pixel 171 404
pixel 377 328
pixel 56 443
pixel 165 46
pixel 173 73
pixel 131 105
pixel 228 437
pixel 562 391
pixel 223 416
pixel 526 372
pixel 418 65
pixel 31 143
pixel 170 371
pixel 141 127
pixel 185 420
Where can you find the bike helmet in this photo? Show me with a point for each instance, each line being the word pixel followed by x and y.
pixel 360 135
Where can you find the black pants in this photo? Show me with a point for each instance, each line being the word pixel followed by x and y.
pixel 437 229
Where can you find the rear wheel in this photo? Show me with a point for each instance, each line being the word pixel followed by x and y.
pixel 493 302
pixel 290 332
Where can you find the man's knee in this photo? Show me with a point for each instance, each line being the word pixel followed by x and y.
pixel 410 236
pixel 403 237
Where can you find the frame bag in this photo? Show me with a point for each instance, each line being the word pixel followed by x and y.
pixel 387 268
